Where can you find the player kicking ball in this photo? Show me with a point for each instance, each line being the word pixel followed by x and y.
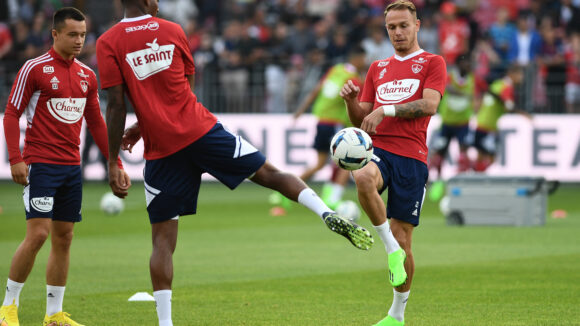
pixel 399 96
pixel 148 59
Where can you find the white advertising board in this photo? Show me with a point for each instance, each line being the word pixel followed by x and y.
pixel 548 145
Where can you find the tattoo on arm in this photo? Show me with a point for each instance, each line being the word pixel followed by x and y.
pixel 412 110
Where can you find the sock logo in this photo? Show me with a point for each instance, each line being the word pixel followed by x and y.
pixel 50 295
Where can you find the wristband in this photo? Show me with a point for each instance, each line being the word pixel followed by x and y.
pixel 388 110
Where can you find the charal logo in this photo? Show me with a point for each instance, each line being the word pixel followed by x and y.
pixel 416 68
pixel 382 74
pixel 383 64
pixel 48 69
pixel 84 85
pixel 42 204
pixel 54 82
pixel 397 90
pixel 67 110
pixel 420 60
pixel 149 61
pixel 152 26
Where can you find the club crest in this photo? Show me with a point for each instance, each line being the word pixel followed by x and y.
pixel 416 68
pixel 84 85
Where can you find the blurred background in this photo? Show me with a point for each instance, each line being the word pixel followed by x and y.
pixel 264 56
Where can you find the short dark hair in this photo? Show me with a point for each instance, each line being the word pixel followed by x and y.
pixel 356 50
pixel 66 13
pixel 402 5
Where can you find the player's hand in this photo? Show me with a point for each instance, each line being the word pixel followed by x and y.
pixel 349 91
pixel 130 137
pixel 20 173
pixel 118 180
pixel 371 121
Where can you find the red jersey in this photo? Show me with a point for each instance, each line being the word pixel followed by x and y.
pixel 398 80
pixel 55 94
pixel 151 57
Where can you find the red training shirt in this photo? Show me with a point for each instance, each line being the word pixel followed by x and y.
pixel 151 57
pixel 55 94
pixel 398 80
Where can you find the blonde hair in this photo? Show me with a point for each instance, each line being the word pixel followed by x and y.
pixel 402 5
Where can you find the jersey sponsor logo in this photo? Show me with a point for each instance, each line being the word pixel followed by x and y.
pixel 397 90
pixel 383 72
pixel 383 64
pixel 84 85
pixel 149 61
pixel 420 60
pixel 416 68
pixel 48 69
pixel 67 110
pixel 42 204
pixel 152 26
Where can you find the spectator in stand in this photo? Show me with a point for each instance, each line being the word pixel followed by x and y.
pixel 501 33
pixel 377 45
pixel 429 34
pixel 338 48
pixel 453 33
pixel 552 61
pixel 5 40
pixel 573 76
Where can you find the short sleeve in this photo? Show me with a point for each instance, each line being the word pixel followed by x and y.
pixel 368 89
pixel 188 63
pixel 109 68
pixel 437 75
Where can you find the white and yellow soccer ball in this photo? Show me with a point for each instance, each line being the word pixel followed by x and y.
pixel 349 210
pixel 111 204
pixel 351 148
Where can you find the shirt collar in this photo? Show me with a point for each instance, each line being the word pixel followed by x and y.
pixel 59 58
pixel 134 19
pixel 409 56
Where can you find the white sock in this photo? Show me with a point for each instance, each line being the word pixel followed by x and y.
pixel 397 310
pixel 336 194
pixel 12 293
pixel 54 297
pixel 384 231
pixel 310 199
pixel 163 304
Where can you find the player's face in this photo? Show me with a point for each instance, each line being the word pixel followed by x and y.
pixel 152 7
pixel 69 40
pixel 402 28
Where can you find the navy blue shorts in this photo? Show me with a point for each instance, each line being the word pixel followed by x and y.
pixel 446 133
pixel 405 179
pixel 172 183
pixel 54 191
pixel 324 133
pixel 486 141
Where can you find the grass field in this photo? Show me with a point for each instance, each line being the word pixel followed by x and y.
pixel 236 265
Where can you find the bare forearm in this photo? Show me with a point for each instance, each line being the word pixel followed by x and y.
pixel 116 114
pixel 356 114
pixel 415 109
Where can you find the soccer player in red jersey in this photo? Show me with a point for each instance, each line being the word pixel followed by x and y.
pixel 55 91
pixel 399 96
pixel 149 59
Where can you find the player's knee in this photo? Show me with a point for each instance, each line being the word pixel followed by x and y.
pixel 36 238
pixel 62 240
pixel 365 181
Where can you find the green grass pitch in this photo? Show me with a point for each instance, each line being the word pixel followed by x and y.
pixel 236 265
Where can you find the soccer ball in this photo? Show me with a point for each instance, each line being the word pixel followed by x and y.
pixel 351 148
pixel 111 204
pixel 349 210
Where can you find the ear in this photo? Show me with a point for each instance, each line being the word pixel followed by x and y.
pixel 54 33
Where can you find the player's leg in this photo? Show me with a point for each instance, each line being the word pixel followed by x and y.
pixel 321 160
pixel 340 178
pixel 464 137
pixel 164 235
pixel 67 207
pixel 58 265
pixel 295 189
pixel 371 181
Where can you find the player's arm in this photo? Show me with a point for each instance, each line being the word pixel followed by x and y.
pixel 308 101
pixel 191 80
pixel 427 106
pixel 357 111
pixel 116 115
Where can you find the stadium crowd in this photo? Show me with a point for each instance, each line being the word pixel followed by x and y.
pixel 266 55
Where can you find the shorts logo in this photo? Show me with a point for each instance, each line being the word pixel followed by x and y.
pixel 48 69
pixel 149 61
pixel 416 68
pixel 152 26
pixel 42 204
